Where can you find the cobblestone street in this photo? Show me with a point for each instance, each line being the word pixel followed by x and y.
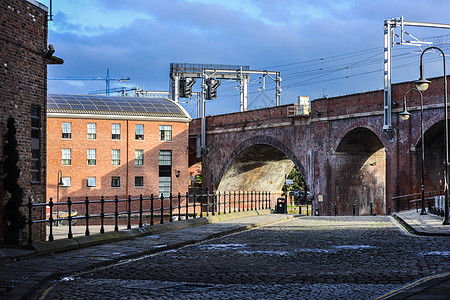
pixel 307 257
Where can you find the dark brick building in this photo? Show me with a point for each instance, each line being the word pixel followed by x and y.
pixel 23 73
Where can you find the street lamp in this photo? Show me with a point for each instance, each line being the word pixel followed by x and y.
pixel 422 84
pixel 404 115
pixel 60 183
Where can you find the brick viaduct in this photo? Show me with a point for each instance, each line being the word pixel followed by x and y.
pixel 340 149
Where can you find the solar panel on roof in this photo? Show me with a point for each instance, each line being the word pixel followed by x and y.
pixel 113 103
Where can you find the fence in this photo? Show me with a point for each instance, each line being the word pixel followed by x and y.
pixel 407 202
pixel 157 209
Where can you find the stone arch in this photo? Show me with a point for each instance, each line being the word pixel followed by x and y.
pixel 360 173
pixel 253 161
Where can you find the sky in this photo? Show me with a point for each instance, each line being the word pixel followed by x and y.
pixel 322 48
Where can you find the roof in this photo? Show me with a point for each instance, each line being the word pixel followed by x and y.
pixel 114 105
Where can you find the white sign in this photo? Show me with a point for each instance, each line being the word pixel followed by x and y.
pixel 289 182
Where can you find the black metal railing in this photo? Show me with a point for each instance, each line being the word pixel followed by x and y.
pixel 413 201
pixel 158 209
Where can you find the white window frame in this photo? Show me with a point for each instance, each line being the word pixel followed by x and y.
pixel 115 131
pixel 115 157
pixel 91 157
pixel 92 131
pixel 66 182
pixel 165 133
pixel 91 182
pixel 66 157
pixel 139 132
pixel 66 129
pixel 138 157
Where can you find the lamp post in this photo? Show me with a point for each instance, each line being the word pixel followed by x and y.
pixel 404 115
pixel 422 85
pixel 60 183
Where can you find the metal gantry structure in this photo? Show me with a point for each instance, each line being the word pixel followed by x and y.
pixel 389 42
pixel 183 77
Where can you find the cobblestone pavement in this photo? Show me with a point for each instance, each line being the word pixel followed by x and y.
pixel 304 258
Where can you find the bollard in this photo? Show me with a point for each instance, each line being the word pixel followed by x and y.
pixel 354 209
pixel 335 209
pixel 389 210
pixel 371 209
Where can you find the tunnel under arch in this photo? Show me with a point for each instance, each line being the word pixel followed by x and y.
pixel 360 173
pixel 434 157
pixel 260 167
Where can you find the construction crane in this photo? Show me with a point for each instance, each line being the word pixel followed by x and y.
pixel 107 79
pixel 122 90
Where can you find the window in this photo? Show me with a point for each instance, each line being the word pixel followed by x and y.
pixel 138 181
pixel 66 182
pixel 165 186
pixel 66 130
pixel 165 172
pixel 35 144
pixel 115 157
pixel 165 132
pixel 91 182
pixel 139 132
pixel 66 157
pixel 92 131
pixel 115 131
pixel 139 157
pixel 91 157
pixel 115 181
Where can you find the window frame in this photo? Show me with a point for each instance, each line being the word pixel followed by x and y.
pixel 91 157
pixel 92 134
pixel 66 160
pixel 115 159
pixel 115 127
pixel 115 179
pixel 142 181
pixel 165 133
pixel 139 133
pixel 64 130
pixel 138 161
pixel 87 182
pixel 64 180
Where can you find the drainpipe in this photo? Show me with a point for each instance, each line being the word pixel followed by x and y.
pixel 128 163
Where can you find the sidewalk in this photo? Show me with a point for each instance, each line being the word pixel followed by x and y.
pixel 33 267
pixel 431 287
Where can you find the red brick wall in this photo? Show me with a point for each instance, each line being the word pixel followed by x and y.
pixel 103 170
pixel 23 75
pixel 313 141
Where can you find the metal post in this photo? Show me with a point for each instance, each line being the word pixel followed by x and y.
pixel 179 206
pixel 141 199
pixel 187 205
pixel 30 221
pixel 422 80
pixel 335 209
pixel 69 210
pixel 194 204
pixel 86 215
pixel 129 212
pixel 50 236
pixel 203 127
pixel 152 199
pixel 116 213
pixel 170 207
pixel 161 220
pixel 102 215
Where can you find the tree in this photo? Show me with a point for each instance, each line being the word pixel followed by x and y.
pixel 15 219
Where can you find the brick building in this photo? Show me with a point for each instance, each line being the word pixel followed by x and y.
pixel 23 81
pixel 108 146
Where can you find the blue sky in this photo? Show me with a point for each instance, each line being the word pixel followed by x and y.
pixel 322 48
